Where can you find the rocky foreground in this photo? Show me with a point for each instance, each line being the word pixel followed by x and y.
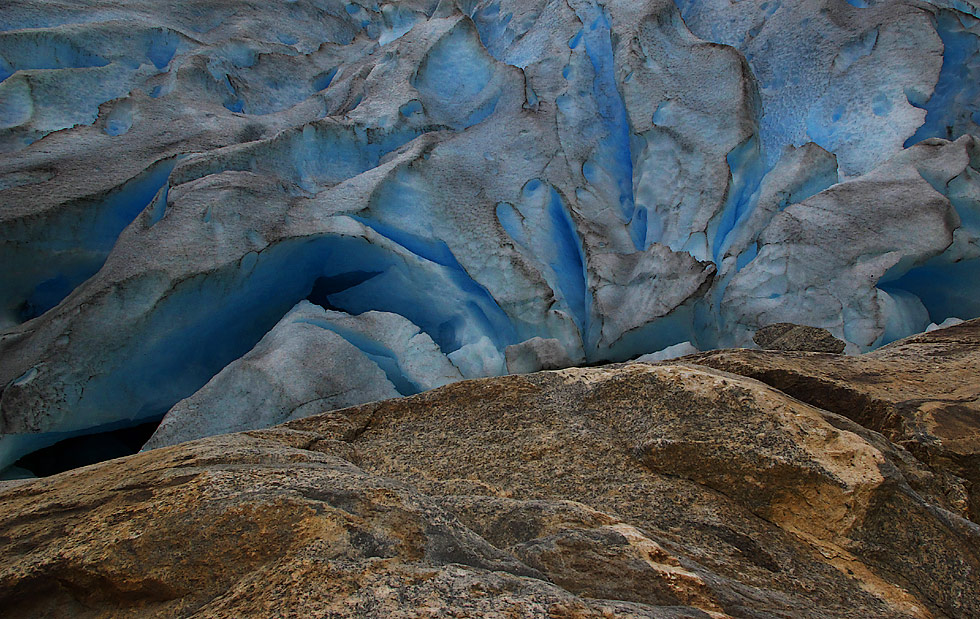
pixel 685 489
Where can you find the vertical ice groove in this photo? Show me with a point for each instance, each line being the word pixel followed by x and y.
pixel 638 228
pixel 542 226
pixel 614 152
pixel 568 263
pixel 748 168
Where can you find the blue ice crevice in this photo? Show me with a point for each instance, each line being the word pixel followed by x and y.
pixel 482 311
pixel 748 168
pixel 43 266
pixel 945 285
pixel 613 153
pixel 543 227
pixel 945 288
pixel 196 326
pixel 568 263
pixel 953 109
pixel 405 211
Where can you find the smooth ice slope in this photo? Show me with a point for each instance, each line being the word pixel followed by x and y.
pixel 313 360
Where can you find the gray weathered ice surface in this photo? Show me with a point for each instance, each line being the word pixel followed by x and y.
pixel 313 360
pixel 448 179
pixel 671 352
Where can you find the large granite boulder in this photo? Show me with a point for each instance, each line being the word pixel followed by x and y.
pixel 630 491
pixel 787 336
pixel 922 393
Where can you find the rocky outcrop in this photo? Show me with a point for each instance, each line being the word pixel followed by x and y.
pixel 537 354
pixel 640 490
pixel 922 393
pixel 787 336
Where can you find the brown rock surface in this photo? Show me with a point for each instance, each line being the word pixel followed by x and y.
pixel 787 336
pixel 922 393
pixel 631 491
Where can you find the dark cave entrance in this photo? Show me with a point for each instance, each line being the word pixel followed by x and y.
pixel 77 451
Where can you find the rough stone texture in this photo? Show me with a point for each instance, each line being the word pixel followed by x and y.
pixel 629 491
pixel 787 336
pixel 922 393
pixel 537 354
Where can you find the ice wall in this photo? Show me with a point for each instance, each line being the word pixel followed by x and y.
pixel 612 178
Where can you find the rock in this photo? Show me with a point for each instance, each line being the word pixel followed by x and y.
pixel 787 336
pixel 632 491
pixel 572 543
pixel 537 354
pixel 921 393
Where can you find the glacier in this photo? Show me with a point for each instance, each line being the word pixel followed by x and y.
pixel 223 215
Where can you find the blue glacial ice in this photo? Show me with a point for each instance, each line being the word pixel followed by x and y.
pixel 415 193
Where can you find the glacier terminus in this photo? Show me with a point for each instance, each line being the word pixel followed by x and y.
pixel 228 214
